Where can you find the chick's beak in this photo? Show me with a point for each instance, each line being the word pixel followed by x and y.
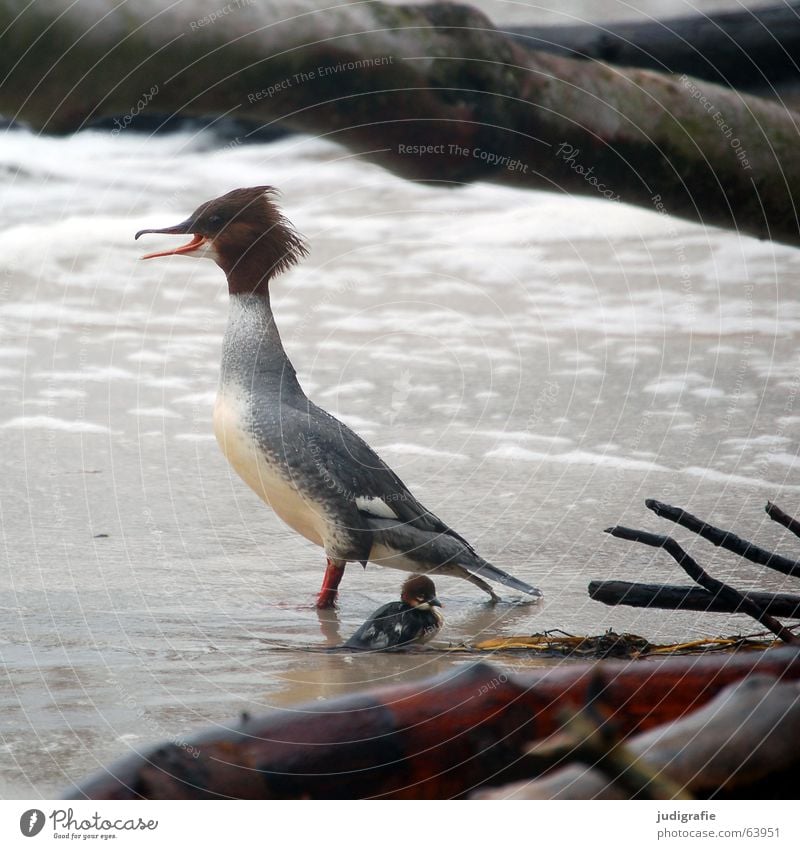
pixel 185 227
pixel 434 602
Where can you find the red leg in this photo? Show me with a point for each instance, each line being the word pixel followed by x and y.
pixel 330 584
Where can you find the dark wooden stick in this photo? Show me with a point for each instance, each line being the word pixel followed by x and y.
pixel 672 597
pixel 724 539
pixel 698 574
pixel 777 515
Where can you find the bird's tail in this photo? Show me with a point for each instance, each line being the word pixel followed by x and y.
pixel 403 546
pixel 491 573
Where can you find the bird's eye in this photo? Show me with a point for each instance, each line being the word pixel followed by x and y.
pixel 215 220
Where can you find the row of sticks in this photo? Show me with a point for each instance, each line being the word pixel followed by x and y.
pixel 714 595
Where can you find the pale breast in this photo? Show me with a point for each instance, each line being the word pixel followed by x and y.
pixel 261 472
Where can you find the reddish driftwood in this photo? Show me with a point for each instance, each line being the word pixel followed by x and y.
pixel 734 746
pixel 433 739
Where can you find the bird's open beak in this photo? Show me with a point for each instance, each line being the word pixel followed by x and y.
pixel 184 227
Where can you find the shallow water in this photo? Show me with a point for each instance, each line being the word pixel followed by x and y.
pixel 532 365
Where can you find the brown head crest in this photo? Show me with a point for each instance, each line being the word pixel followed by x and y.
pixel 245 233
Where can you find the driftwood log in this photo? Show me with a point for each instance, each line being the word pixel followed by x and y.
pixel 715 595
pixel 433 92
pixel 732 597
pixel 673 597
pixel 434 739
pixel 751 49
pixel 737 745
pixel 782 518
pixel 725 539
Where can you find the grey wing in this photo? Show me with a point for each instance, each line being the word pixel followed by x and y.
pixel 375 633
pixel 364 478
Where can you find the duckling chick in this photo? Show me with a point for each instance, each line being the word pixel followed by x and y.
pixel 414 619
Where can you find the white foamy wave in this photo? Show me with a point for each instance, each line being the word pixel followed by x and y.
pixel 155 412
pixel 51 423
pixel 756 441
pixel 200 399
pixel 782 458
pixel 523 434
pixel 63 392
pixel 353 387
pixel 582 458
pixel 716 476
pixel 93 374
pixel 419 450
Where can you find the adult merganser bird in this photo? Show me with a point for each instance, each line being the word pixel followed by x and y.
pixel 414 619
pixel 322 479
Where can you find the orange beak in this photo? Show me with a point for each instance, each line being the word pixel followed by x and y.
pixel 183 228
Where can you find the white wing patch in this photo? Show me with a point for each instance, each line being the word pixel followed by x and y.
pixel 375 507
pixel 377 639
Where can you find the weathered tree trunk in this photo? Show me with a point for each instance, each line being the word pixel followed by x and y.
pixel 751 49
pixel 432 92
pixel 737 745
pixel 434 739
